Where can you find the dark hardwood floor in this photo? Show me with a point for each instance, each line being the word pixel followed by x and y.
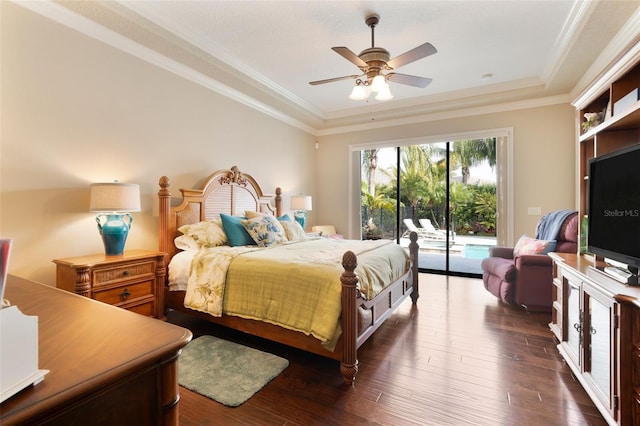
pixel 459 358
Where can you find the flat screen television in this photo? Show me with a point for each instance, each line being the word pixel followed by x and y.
pixel 614 209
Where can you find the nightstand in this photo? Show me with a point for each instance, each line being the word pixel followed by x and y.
pixel 133 280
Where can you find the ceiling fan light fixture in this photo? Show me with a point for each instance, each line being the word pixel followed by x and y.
pixel 378 83
pixel 384 94
pixel 359 92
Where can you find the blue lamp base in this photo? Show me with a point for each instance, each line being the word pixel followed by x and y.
pixel 301 217
pixel 114 232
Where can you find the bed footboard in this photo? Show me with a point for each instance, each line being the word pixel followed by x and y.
pixel 381 307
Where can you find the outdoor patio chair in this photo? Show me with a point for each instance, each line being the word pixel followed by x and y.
pixel 424 233
pixel 428 226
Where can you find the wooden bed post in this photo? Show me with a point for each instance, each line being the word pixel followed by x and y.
pixel 349 280
pixel 164 197
pixel 278 201
pixel 414 249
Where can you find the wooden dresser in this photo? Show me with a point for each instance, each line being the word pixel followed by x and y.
pixel 107 366
pixel 597 323
pixel 132 281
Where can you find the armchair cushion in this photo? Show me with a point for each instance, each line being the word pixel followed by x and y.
pixel 500 267
pixel 500 251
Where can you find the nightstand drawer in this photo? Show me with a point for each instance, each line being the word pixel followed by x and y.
pixel 125 293
pixel 132 281
pixel 130 271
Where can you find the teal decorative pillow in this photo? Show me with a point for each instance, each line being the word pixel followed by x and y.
pixel 528 245
pixel 236 234
pixel 284 218
pixel 208 233
pixel 265 230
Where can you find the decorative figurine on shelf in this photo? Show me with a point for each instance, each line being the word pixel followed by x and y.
pixel 592 120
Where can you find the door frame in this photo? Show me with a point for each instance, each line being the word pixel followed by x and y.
pixel 504 173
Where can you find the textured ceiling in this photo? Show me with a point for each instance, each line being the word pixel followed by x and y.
pixel 271 49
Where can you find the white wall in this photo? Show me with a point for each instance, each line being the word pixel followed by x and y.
pixel 75 111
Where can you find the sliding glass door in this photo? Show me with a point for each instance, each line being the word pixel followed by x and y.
pixel 443 191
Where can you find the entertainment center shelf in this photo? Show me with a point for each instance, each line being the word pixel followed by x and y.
pixel 596 317
pixel 616 101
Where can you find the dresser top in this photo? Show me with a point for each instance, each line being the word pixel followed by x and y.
pixel 84 344
pixel 95 259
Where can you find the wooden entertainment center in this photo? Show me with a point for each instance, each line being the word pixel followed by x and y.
pixel 596 318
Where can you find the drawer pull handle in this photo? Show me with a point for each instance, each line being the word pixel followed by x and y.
pixel 125 273
pixel 125 294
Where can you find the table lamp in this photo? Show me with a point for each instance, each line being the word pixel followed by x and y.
pixel 114 201
pixel 301 204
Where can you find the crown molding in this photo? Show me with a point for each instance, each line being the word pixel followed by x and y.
pixel 610 64
pixel 459 104
pixel 79 23
pixel 445 115
pixel 570 32
pixel 251 75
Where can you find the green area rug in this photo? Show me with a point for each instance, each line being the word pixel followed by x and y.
pixel 225 371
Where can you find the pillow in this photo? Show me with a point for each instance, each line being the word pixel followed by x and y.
pixel 528 245
pixel 293 230
pixel 236 234
pixel 284 218
pixel 265 230
pixel 208 233
pixel 250 214
pixel 185 242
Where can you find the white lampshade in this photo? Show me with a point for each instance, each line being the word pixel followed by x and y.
pixel 359 92
pixel 378 83
pixel 115 197
pixel 301 202
pixel 384 94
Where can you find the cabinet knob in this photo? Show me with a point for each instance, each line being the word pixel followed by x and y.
pixel 125 273
pixel 578 327
pixel 125 294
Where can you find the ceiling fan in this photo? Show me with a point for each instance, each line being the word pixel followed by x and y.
pixel 377 68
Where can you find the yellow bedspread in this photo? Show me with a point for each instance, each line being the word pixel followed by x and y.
pixel 297 286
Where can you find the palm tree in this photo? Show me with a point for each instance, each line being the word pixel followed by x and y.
pixel 372 203
pixel 417 184
pixel 370 165
pixel 469 153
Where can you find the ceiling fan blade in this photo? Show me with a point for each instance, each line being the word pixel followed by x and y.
pixel 349 56
pixel 412 55
pixel 331 80
pixel 410 80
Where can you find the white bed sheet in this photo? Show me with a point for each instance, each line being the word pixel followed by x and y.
pixel 179 269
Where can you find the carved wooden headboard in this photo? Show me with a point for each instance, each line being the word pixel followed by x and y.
pixel 225 191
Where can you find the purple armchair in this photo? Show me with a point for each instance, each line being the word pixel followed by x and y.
pixel 526 280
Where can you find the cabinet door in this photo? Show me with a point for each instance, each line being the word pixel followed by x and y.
pixel 599 344
pixel 574 318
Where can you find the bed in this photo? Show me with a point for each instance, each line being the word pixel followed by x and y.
pixel 233 193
